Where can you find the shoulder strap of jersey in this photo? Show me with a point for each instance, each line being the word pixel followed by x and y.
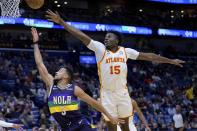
pixel 125 52
pixel 102 57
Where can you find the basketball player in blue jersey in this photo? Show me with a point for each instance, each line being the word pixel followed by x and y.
pixel 62 97
pixel 112 69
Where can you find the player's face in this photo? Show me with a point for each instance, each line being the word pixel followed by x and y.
pixel 62 73
pixel 110 40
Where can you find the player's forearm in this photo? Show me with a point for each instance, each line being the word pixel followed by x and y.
pixel 37 55
pixel 76 33
pixel 160 59
pixel 6 124
pixel 100 108
pixel 142 118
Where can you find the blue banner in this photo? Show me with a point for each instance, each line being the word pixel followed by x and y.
pixel 87 60
pixel 179 33
pixel 177 1
pixel 79 25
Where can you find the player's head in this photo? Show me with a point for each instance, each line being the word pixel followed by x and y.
pixel 112 39
pixel 64 73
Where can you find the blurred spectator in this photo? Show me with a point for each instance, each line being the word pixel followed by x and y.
pixel 178 119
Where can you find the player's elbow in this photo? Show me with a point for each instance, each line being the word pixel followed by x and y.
pixel 86 41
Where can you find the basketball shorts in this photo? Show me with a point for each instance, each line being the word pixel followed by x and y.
pixel 117 103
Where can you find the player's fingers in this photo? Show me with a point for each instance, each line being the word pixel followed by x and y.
pixel 51 12
pixel 32 29
pixel 182 61
pixel 48 16
pixel 179 65
pixel 57 13
pixel 48 12
pixel 50 19
pixel 35 30
pixel 121 121
pixel 32 32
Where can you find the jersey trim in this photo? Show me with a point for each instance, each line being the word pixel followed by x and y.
pixel 99 68
pixel 115 51
pixel 125 53
pixel 63 108
pixel 126 117
pixel 102 57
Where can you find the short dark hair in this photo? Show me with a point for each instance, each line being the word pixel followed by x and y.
pixel 118 35
pixel 70 73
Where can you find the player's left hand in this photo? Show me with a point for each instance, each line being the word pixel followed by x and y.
pixel 34 35
pixel 18 127
pixel 178 62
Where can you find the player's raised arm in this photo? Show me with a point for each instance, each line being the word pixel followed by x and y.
pixel 95 104
pixel 140 114
pixel 46 77
pixel 133 54
pixel 55 17
pixel 160 59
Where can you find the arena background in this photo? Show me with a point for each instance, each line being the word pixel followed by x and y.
pixel 169 29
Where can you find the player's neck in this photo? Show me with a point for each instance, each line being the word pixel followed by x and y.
pixel 114 49
pixel 62 83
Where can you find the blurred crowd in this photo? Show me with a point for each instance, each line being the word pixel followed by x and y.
pixel 157 89
pixel 125 15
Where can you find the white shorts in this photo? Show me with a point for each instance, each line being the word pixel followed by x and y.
pixel 117 103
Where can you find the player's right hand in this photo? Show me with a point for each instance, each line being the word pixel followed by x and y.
pixel 34 35
pixel 178 62
pixel 18 127
pixel 54 17
pixel 116 121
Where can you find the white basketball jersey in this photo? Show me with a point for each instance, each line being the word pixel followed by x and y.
pixel 112 70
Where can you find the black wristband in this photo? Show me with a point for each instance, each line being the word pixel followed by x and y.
pixel 34 43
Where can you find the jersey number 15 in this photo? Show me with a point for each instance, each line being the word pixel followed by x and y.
pixel 115 70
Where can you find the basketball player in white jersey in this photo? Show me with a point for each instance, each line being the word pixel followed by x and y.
pixel 141 116
pixel 112 69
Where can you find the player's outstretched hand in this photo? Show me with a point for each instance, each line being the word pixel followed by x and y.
pixel 178 62
pixel 54 17
pixel 34 35
pixel 116 121
pixel 18 127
